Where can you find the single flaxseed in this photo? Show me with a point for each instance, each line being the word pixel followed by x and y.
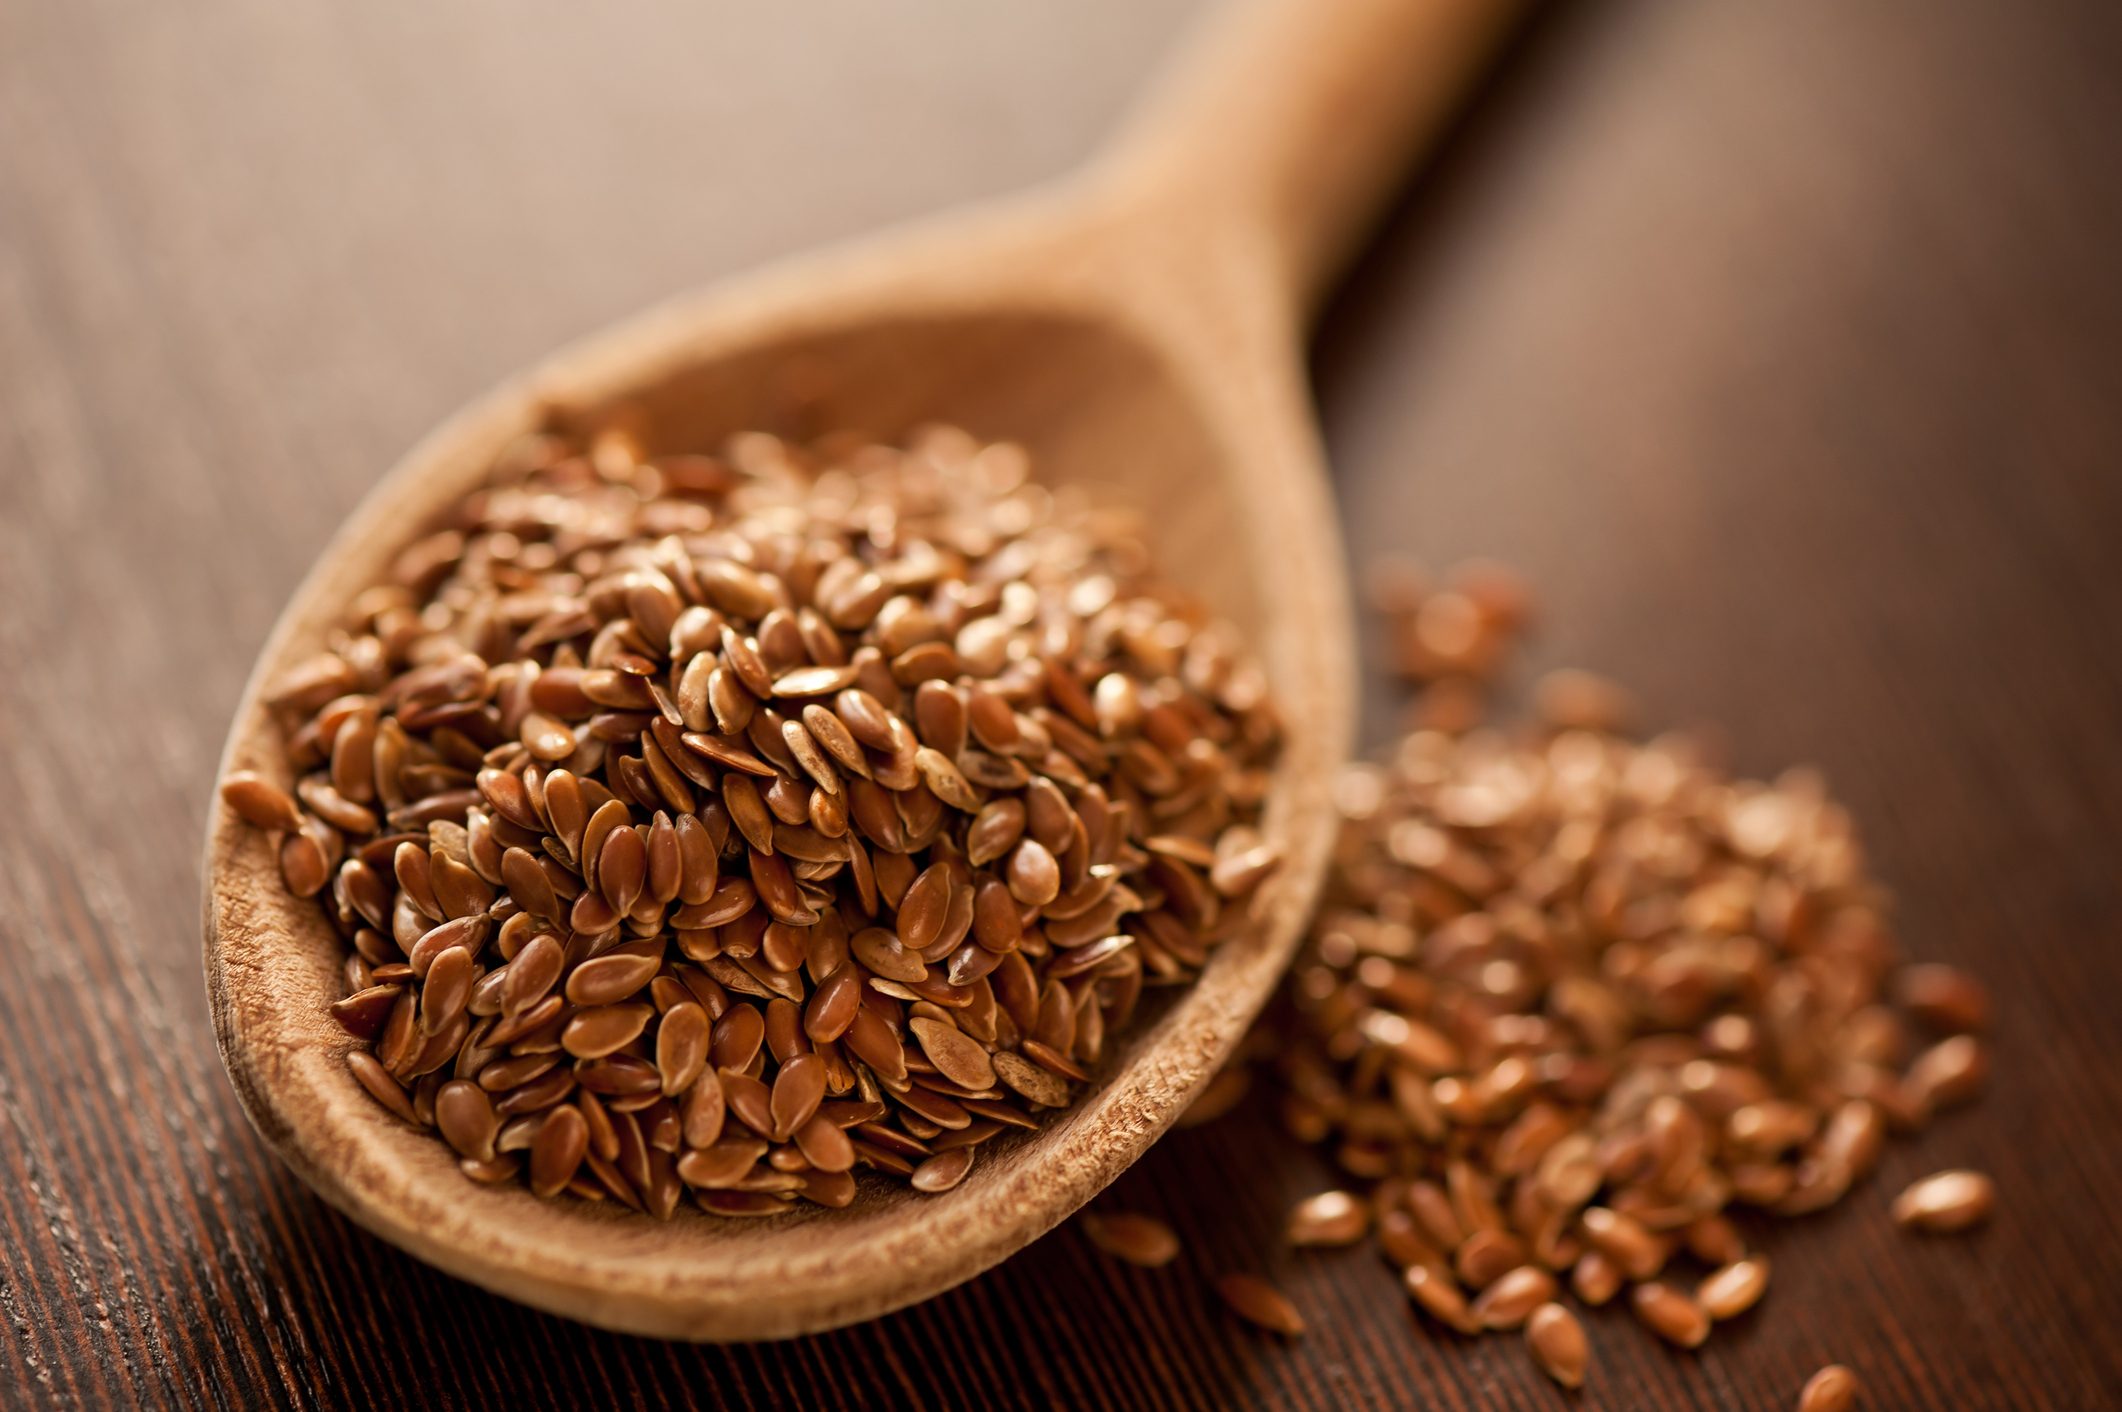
pixel 1558 1344
pixel 1671 1314
pixel 1832 1389
pixel 1329 1218
pixel 1946 1202
pixel 1258 1302
pixel 1487 1256
pixel 1132 1237
pixel 260 802
pixel 1949 1073
pixel 1440 1298
pixel 943 1171
pixel 1943 997
pixel 386 1089
pixel 1510 1301
pixel 1625 1241
pixel 1733 1289
pixel 1595 1279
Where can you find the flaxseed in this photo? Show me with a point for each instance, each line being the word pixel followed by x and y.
pixel 1258 1302
pixel 1558 1344
pixel 1832 1389
pixel 1946 1202
pixel 1132 1237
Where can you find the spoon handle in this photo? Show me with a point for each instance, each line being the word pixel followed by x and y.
pixel 1291 121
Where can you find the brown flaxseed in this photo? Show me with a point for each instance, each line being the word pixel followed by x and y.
pixel 1733 1289
pixel 1832 1389
pixel 1258 1302
pixel 1510 1301
pixel 1671 1314
pixel 557 1150
pixel 1946 1202
pixel 1130 1236
pixel 1949 1073
pixel 386 1090
pixel 260 802
pixel 1330 1218
pixel 943 1171
pixel 1440 1298
pixel 1558 1344
pixel 1487 1256
pixel 1625 1241
pixel 1943 997
pixel 1595 1279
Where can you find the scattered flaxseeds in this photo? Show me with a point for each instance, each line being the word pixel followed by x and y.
pixel 1572 1000
pixel 723 824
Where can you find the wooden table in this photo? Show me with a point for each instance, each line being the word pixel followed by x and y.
pixel 1781 344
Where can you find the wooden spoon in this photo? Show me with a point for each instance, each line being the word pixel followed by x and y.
pixel 1139 328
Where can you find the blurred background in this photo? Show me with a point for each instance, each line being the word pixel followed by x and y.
pixel 1780 345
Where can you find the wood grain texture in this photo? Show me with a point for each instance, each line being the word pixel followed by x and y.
pixel 1782 345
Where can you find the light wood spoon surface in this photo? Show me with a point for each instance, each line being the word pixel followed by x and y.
pixel 1139 327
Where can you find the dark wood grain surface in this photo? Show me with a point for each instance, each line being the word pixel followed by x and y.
pixel 1781 344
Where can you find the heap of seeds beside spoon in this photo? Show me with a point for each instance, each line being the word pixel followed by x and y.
pixel 724 823
pixel 1576 1012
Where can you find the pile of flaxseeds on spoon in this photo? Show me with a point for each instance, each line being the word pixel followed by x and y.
pixel 721 824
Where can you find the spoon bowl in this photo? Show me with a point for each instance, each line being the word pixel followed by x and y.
pixel 1137 329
